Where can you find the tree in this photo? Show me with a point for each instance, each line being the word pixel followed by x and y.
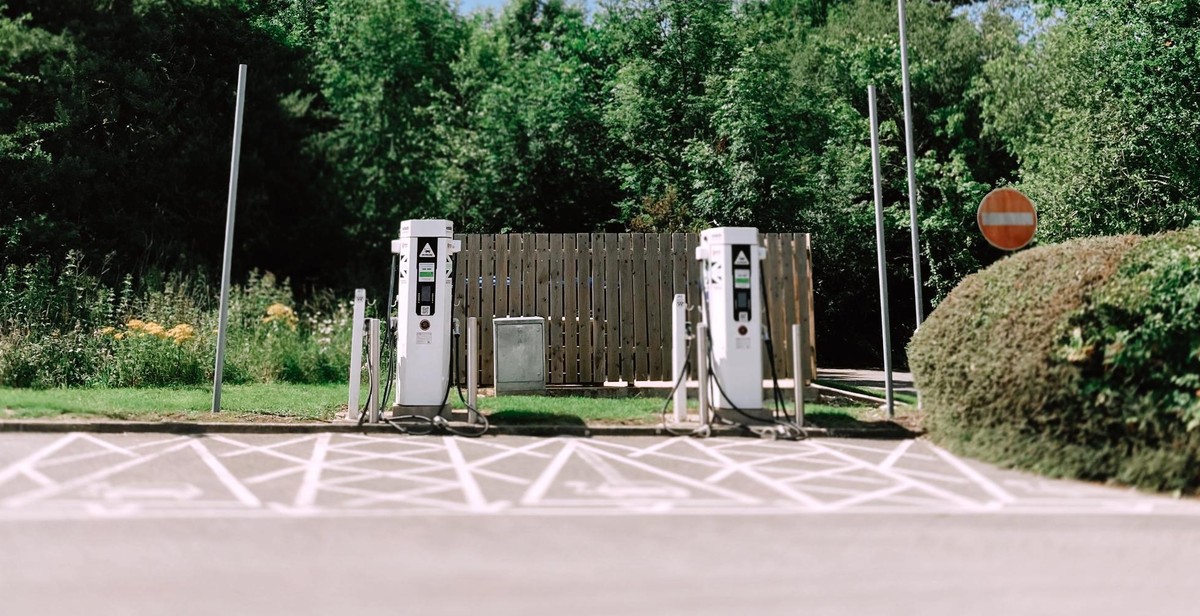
pixel 660 102
pixel 1096 107
pixel 132 107
pixel 523 147
pixel 956 164
pixel 381 65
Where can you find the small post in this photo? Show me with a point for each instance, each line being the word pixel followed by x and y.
pixel 373 349
pixel 356 337
pixel 472 362
pixel 879 250
pixel 702 370
pixel 679 354
pixel 231 213
pixel 798 372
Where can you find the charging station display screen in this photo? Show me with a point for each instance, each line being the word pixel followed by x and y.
pixel 742 296
pixel 427 254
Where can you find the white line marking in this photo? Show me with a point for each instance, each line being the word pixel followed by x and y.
pixel 61 460
pixel 773 484
pixel 893 457
pixel 245 448
pixel 866 496
pixel 107 445
pixel 1008 219
pixel 989 486
pixel 48 491
pixel 539 487
pixel 470 488
pixel 695 483
pixel 904 479
pixel 243 494
pixel 931 476
pixel 655 448
pixel 306 496
pixel 730 469
pixel 28 462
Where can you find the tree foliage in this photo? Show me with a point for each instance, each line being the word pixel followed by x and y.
pixel 1099 109
pixel 555 116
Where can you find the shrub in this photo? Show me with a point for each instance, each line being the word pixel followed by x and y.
pixel 1080 359
pixel 60 326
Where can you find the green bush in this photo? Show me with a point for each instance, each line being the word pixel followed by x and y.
pixel 1080 359
pixel 61 327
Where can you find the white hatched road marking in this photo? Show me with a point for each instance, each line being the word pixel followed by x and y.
pixel 123 476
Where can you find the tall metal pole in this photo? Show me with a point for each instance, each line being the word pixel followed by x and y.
pixel 918 298
pixel 879 251
pixel 219 368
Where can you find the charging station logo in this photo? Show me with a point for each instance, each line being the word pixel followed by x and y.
pixel 427 252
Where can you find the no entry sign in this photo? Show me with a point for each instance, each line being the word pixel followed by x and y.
pixel 1007 219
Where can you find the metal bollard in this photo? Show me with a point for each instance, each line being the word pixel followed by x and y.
pixel 679 354
pixel 798 373
pixel 472 362
pixel 702 370
pixel 373 350
pixel 356 338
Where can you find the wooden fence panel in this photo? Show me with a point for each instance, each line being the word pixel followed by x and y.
pixel 612 307
pixel 555 325
pixel 599 366
pixel 625 315
pixel 775 280
pixel 606 299
pixel 583 284
pixel 570 310
pixel 487 305
pixel 650 293
pixel 783 331
pixel 805 296
pixel 666 284
pixel 459 286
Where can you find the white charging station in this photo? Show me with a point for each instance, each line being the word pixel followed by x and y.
pixel 425 292
pixel 731 260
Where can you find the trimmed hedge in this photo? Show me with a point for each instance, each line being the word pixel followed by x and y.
pixel 1080 359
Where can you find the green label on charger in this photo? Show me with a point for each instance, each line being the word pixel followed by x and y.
pixel 741 279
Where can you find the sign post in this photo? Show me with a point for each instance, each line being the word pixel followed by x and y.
pixel 239 109
pixel 1007 219
pixel 885 318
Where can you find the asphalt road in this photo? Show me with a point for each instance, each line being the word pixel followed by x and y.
pixel 322 524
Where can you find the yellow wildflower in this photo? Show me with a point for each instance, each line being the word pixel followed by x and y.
pixel 283 314
pixel 154 329
pixel 181 333
pixel 118 335
pixel 135 325
pixel 104 331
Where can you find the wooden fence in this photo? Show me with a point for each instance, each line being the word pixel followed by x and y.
pixel 606 298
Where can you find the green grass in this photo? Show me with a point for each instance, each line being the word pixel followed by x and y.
pixel 899 396
pixel 239 402
pixel 558 410
pixel 289 402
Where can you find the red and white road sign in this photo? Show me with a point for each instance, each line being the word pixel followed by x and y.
pixel 1007 219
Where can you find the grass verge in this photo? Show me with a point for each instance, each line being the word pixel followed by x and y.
pixel 290 402
pixel 255 402
pixel 878 392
